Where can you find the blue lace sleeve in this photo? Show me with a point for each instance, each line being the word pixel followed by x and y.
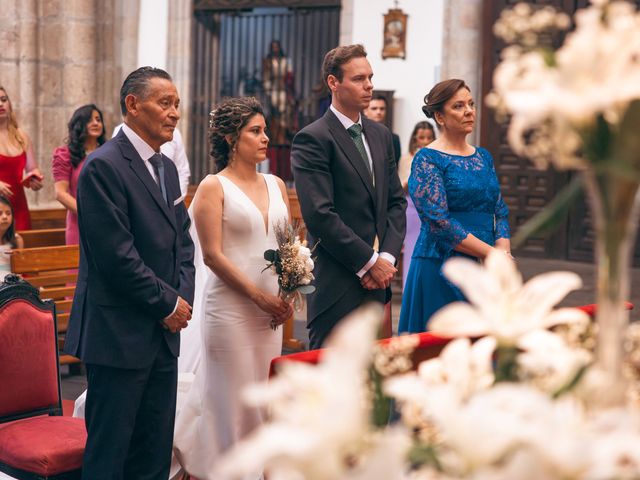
pixel 502 219
pixel 426 187
pixel 501 211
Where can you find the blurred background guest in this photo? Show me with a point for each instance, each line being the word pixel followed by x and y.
pixel 18 168
pixel 456 192
pixel 377 111
pixel 423 134
pixel 9 239
pixel 86 133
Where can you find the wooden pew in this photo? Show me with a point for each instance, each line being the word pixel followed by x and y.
pixel 44 237
pixel 51 269
pixel 45 218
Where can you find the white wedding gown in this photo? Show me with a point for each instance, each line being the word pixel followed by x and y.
pixel 237 340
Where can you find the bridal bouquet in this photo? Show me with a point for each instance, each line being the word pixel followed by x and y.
pixel 292 262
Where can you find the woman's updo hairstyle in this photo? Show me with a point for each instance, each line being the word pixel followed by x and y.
pixel 440 94
pixel 226 120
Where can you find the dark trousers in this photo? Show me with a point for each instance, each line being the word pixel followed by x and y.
pixel 322 326
pixel 130 415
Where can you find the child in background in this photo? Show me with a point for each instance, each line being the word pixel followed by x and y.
pixel 9 238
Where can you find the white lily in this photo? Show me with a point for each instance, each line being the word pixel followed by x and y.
pixel 500 305
pixel 320 413
pixel 582 82
pixel 492 425
pixel 461 367
pixel 616 435
pixel 548 362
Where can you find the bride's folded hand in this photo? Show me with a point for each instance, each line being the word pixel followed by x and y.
pixel 271 304
pixel 284 316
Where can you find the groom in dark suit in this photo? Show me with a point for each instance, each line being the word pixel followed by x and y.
pixel 350 196
pixel 135 287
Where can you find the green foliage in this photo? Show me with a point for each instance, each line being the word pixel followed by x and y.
pixel 306 289
pixel 506 365
pixel 381 411
pixel 571 384
pixel 423 454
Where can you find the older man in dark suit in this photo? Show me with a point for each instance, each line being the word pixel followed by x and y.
pixel 135 287
pixel 350 196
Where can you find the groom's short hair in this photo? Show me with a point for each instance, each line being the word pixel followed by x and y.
pixel 334 59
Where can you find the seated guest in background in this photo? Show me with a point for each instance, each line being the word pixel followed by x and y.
pixel 455 189
pixel 86 133
pixel 175 150
pixel 377 111
pixel 423 134
pixel 18 168
pixel 10 239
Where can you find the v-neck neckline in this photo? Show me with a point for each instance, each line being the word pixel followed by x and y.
pixel 265 218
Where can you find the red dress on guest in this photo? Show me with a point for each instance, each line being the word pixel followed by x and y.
pixel 12 172
pixel 63 170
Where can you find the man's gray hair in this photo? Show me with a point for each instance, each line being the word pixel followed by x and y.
pixel 137 83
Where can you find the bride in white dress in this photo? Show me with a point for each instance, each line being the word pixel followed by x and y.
pixel 234 212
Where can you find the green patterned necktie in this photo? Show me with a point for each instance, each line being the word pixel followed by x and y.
pixel 355 131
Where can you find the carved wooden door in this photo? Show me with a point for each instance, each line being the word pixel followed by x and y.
pixel 527 190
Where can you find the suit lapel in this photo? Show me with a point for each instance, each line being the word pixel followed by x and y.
pixel 345 142
pixel 139 168
pixel 378 158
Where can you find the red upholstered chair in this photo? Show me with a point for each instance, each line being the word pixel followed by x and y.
pixel 36 442
pixel 429 346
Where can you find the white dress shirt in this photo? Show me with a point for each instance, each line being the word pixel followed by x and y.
pixel 146 152
pixel 178 155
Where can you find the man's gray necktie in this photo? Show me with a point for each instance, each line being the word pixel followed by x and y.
pixel 158 168
pixel 355 131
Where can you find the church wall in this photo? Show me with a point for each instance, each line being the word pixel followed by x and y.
pixel 412 77
pixel 57 55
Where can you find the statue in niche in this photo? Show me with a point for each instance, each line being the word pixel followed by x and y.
pixel 278 87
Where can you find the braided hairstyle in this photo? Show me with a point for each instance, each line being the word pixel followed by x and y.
pixel 440 94
pixel 225 122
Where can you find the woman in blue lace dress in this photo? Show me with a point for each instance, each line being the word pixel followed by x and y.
pixel 456 192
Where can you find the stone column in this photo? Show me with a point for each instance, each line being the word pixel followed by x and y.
pixel 461 47
pixel 179 58
pixel 58 55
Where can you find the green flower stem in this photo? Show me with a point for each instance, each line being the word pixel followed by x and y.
pixel 506 366
pixel 381 411
pixel 614 201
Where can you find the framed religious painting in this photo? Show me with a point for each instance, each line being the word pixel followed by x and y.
pixel 394 34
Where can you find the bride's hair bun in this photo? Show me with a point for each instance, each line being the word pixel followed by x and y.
pixel 225 121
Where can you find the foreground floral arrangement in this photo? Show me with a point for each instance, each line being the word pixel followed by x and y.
pixel 515 404
pixel 577 106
